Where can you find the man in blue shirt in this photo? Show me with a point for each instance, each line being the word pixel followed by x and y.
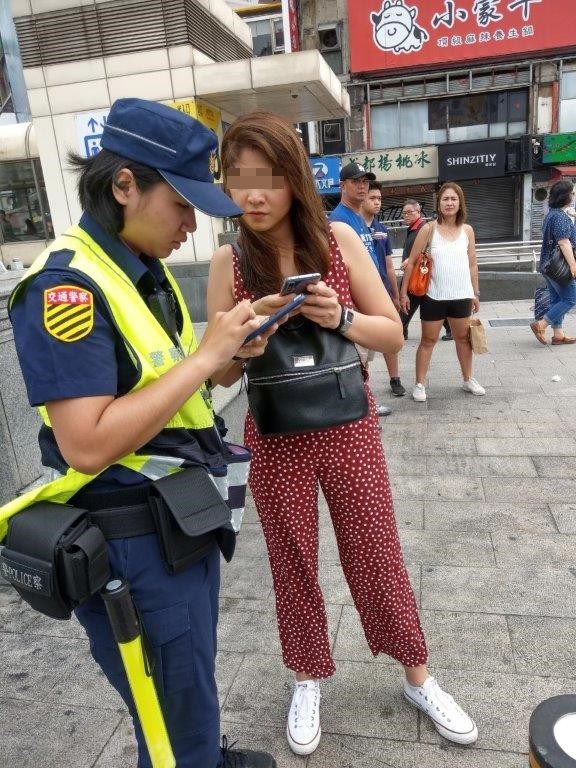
pixel 383 250
pixel 354 183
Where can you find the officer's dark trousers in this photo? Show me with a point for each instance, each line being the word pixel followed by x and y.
pixel 180 614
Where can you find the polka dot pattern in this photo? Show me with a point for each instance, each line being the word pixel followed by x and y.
pixel 348 463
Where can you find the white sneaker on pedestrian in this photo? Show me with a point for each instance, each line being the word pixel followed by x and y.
pixel 303 729
pixel 472 386
pixel 449 720
pixel 419 393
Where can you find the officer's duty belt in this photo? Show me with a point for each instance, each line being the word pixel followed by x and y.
pixel 56 555
pixel 121 513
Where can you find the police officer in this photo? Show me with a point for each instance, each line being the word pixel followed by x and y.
pixel 108 353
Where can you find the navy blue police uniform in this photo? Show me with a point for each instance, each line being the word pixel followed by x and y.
pixel 179 612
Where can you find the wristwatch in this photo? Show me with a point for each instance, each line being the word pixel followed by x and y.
pixel 346 320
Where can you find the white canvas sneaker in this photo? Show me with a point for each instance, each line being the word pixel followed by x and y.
pixel 472 386
pixel 303 729
pixel 419 393
pixel 449 720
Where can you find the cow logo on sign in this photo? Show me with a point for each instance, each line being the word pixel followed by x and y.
pixel 395 28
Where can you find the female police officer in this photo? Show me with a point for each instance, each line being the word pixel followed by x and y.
pixel 108 352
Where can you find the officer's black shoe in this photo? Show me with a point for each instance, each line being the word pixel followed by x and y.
pixel 244 758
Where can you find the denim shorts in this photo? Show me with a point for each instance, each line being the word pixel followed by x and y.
pixel 431 310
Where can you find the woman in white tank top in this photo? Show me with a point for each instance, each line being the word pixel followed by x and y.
pixel 453 288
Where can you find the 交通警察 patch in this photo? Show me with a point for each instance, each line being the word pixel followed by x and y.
pixel 68 312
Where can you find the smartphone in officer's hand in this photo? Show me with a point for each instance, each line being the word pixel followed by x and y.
pixel 282 312
pixel 298 283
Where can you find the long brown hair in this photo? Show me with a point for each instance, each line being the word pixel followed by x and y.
pixel 462 212
pixel 275 138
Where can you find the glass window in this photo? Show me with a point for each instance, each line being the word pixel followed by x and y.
pixel 497 108
pixel 413 124
pixel 261 37
pixel 568 87
pixel 567 115
pixel 468 110
pixel 518 106
pixel 468 132
pixel 24 213
pixel 498 129
pixel 437 114
pixel 385 126
pixel 331 132
pixel 267 36
pixel 278 35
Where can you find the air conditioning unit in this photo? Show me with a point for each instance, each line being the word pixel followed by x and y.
pixel 519 155
pixel 329 36
pixel 539 194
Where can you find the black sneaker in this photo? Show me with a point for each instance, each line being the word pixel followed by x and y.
pixel 447 337
pixel 397 388
pixel 244 758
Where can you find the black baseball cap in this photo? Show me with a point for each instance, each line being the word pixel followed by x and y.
pixel 180 148
pixel 355 171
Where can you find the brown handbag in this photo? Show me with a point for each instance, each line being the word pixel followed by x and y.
pixel 420 275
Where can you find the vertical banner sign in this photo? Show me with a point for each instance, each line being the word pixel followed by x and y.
pixel 290 26
pixel 399 34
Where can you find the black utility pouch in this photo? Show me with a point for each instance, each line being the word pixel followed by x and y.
pixel 191 518
pixel 53 558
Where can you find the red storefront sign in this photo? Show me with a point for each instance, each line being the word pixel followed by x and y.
pixel 400 34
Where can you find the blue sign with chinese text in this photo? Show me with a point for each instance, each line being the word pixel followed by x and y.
pixel 326 172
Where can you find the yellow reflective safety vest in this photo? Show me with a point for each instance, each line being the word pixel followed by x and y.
pixel 152 351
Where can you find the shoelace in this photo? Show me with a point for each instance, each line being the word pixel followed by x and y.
pixel 435 692
pixel 306 702
pixel 232 758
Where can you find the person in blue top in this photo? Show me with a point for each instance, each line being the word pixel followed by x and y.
pixel 383 248
pixel 106 347
pixel 558 230
pixel 354 185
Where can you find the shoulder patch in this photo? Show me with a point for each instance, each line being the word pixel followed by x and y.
pixel 68 312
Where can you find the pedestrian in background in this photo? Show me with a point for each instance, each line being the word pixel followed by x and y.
pixel 453 292
pixel 414 221
pixel 370 210
pixel 283 231
pixel 558 229
pixel 354 186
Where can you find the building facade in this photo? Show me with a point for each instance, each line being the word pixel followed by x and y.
pixel 78 56
pixel 455 90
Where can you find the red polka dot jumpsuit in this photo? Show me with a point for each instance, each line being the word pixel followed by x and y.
pixel 349 465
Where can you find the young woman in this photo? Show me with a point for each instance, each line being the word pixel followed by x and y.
pixel 453 289
pixel 558 230
pixel 283 232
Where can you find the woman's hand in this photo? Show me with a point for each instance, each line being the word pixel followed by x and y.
pixel 475 305
pixel 322 306
pixel 267 305
pixel 405 304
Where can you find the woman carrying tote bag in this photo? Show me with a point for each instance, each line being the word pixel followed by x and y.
pixel 558 230
pixel 452 291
